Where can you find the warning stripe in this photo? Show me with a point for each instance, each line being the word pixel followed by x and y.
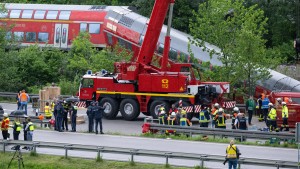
pixel 230 104
pixel 81 104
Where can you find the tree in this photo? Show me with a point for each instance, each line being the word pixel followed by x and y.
pixel 238 32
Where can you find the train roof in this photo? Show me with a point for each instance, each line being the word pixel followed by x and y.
pixel 65 7
pixel 179 40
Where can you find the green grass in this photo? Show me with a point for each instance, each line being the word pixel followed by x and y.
pixel 58 162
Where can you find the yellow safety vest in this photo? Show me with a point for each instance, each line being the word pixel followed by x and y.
pixel 202 118
pixel 48 113
pixel 231 151
pixel 52 106
pixel 18 124
pixel 285 112
pixel 31 126
pixel 183 122
pixel 272 114
pixel 183 111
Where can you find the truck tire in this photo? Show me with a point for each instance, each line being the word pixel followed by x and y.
pixel 129 109
pixel 112 107
pixel 155 105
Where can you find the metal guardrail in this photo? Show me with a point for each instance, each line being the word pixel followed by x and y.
pixel 34 120
pixel 223 132
pixel 152 153
pixel 11 94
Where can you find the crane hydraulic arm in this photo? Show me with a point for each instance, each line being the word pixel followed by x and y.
pixel 156 22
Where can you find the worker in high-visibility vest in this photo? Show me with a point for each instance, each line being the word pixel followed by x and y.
pixel 17 128
pixel 48 112
pixel 214 112
pixel 184 121
pixel 204 116
pixel 29 128
pixel 5 126
pixel 232 155
pixel 220 118
pixel 272 118
pixel 285 116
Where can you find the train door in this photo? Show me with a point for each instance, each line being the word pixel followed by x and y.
pixel 61 35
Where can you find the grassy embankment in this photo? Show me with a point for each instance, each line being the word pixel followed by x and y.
pixel 58 162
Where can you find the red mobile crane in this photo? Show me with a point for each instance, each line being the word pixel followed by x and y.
pixel 138 86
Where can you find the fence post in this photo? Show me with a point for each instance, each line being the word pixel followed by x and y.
pixel 4 145
pixel 99 152
pixel 66 151
pixel 167 158
pixel 34 147
pixel 202 160
pixel 132 153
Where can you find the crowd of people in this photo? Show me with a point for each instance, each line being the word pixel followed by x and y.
pixel 215 116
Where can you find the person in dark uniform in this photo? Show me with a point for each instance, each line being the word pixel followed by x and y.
pixel 16 128
pixel 55 115
pixel 74 109
pixel 25 122
pixel 65 116
pixel 241 122
pixel 60 111
pixel 98 114
pixel 90 115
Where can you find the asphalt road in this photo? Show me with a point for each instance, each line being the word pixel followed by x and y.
pixel 134 127
pixel 157 144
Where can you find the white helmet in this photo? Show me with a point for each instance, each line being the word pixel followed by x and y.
pixel 162 112
pixel 278 99
pixel 173 114
pixel 5 115
pixel 283 103
pixel 236 109
pixel 216 105
pixel 270 104
pixel 221 110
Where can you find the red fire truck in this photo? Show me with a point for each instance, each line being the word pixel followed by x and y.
pixel 138 86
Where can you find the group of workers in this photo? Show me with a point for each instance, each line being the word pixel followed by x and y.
pixel 95 114
pixel 267 112
pixel 27 126
pixel 217 117
pixel 61 110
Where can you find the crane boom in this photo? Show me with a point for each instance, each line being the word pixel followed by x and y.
pixel 156 22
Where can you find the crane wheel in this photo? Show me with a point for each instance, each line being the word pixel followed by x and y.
pixel 111 109
pixel 129 109
pixel 155 105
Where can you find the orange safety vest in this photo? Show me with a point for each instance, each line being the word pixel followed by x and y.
pixel 23 97
pixel 5 124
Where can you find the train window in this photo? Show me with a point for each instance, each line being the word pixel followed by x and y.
pixel 27 14
pixel 18 36
pixel 94 28
pixel 51 15
pixel 83 27
pixel 3 14
pixel 64 15
pixel 109 38
pixel 15 14
pixel 122 42
pixel 173 54
pixel 160 48
pixel 8 36
pixel 43 37
pixel 30 36
pixel 39 14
